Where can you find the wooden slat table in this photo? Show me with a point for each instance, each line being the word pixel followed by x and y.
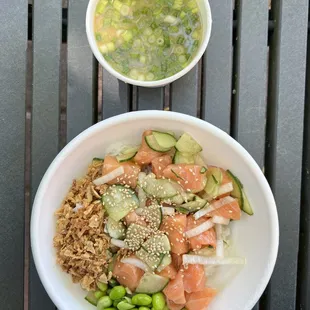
pixel 252 82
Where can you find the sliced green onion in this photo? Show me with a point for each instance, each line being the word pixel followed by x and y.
pixel 127 35
pixel 182 58
pixel 148 31
pixel 151 39
pixel 182 14
pixel 150 76
pixel 180 40
pixel 174 29
pixel 98 37
pixel 141 77
pixel 188 30
pixel 133 74
pixel 160 41
pixel 101 6
pixel 103 49
pixel 143 59
pixel 179 49
pixel 111 46
pixel 178 4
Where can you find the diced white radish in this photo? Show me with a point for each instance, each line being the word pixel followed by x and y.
pixel 109 176
pixel 216 219
pixel 204 260
pixel 168 211
pixel 225 188
pixel 213 206
pixel 119 243
pixel 219 241
pixel 199 229
pixel 135 262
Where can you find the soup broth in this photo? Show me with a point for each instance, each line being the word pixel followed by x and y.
pixel 148 40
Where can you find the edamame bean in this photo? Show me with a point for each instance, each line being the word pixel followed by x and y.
pixel 98 294
pixel 104 302
pixel 123 305
pixel 158 301
pixel 128 299
pixel 112 308
pixel 142 300
pixel 117 292
pixel 109 291
pixel 102 286
pixel 116 302
pixel 144 308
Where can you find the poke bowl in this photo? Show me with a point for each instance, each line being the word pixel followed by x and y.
pixel 135 218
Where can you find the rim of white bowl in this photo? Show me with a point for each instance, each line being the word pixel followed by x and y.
pixel 153 114
pixel 92 42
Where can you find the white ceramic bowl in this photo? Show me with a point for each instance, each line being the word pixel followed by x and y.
pixel 256 237
pixel 206 23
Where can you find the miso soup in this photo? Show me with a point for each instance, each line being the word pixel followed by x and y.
pixel 148 40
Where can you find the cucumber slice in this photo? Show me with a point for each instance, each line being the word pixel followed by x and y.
pixel 153 214
pixel 153 261
pixel 237 189
pixel 182 210
pixel 165 262
pixel 152 283
pixel 153 144
pixel 239 194
pixel 183 158
pixel 119 201
pixel 195 205
pixel 164 139
pixel 160 188
pixel 135 236
pixel 90 297
pixel 125 157
pixel 199 161
pixel 157 245
pixel 179 198
pixel 130 149
pixel 214 180
pixel 246 204
pixel 187 144
pixel 116 229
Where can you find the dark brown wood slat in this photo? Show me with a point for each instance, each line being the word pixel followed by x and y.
pixel 116 97
pixel 13 38
pixel 150 98
pixel 217 69
pixel 45 111
pixel 251 77
pixel 185 93
pixel 285 138
pixel 81 95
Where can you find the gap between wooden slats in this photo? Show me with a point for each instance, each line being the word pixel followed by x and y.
pixel 284 141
